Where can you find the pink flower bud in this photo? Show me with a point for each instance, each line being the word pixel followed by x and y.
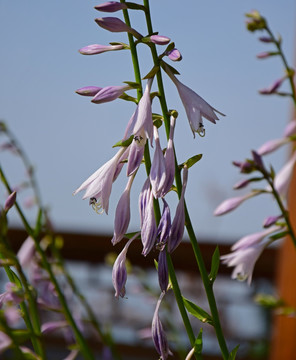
pixel 10 201
pixel 174 55
pixel 114 24
pixel 99 49
pixel 159 40
pixel 111 6
pixel 88 90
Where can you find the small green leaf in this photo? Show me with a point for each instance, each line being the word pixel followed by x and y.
pixel 152 72
pixel 197 311
pixel 198 343
pixel 215 265
pixel 172 69
pixel 132 234
pixel 135 6
pixel 279 235
pixel 126 46
pixel 21 335
pixel 132 84
pixel 124 143
pixel 126 97
pixel 232 355
pixel 191 161
pixel 170 47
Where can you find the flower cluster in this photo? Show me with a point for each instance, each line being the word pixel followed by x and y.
pixel 247 250
pixel 160 232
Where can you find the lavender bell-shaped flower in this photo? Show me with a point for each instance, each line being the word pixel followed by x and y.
pixel 158 334
pixel 119 273
pixel 99 185
pixel 95 49
pixel 122 214
pixel 158 169
pixel 177 228
pixel 195 106
pixel 164 225
pixel 148 226
pixel 283 177
pixel 109 93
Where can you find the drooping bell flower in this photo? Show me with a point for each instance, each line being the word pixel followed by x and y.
pixel 163 274
pixel 95 49
pixel 195 106
pixel 119 273
pixel 99 185
pixel 158 168
pixel 136 152
pixel 158 334
pixel 164 225
pixel 177 228
pixel 148 226
pixel 123 213
pixel 283 177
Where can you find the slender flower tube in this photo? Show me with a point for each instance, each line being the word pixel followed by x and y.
pixel 114 24
pixel 111 6
pixel 99 185
pixel 164 225
pixel 109 93
pixel 169 159
pixel 148 227
pixel 177 228
pixel 158 168
pixel 88 90
pixel 143 116
pixel 283 178
pixel 123 213
pixel 255 238
pixel 244 261
pixel 232 203
pixel 144 199
pixel 163 274
pixel 195 106
pixel 158 334
pixel 119 273
pixel 99 49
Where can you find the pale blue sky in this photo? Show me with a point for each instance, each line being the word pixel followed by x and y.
pixel 67 137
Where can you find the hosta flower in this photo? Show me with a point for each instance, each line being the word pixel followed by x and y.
pixel 122 214
pixel 283 177
pixel 158 334
pixel 10 201
pixel 99 49
pixel 244 261
pixel 163 274
pixel 177 228
pixel 195 106
pixel 158 169
pixel 119 272
pixel 136 152
pixel 174 55
pixel 148 227
pixel 99 185
pixel 164 225
pixel 88 90
pixel 114 24
pixel 109 93
pixel 159 40
pixel 271 220
pixel 26 252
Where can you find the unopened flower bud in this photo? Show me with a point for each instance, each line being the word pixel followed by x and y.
pixel 114 24
pixel 271 220
pixel 99 49
pixel 111 6
pixel 174 55
pixel 266 39
pixel 159 40
pixel 10 201
pixel 88 90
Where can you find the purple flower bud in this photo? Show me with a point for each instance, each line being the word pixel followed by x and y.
pixel 99 49
pixel 10 201
pixel 290 129
pixel 144 199
pixel 114 24
pixel 273 88
pixel 271 220
pixel 158 334
pixel 26 252
pixel 158 170
pixel 111 6
pixel 174 55
pixel 164 225
pixel 265 39
pixel 258 160
pixel 177 228
pixel 88 90
pixel 51 326
pixel 119 273
pixel 159 40
pixel 263 55
pixel 163 274
pixel 241 184
pixel 148 227
pixel 122 214
pixel 109 93
pixel 230 204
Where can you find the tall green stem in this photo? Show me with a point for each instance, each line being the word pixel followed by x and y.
pixel 204 275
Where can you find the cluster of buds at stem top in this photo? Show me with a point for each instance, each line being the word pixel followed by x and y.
pixel 255 21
